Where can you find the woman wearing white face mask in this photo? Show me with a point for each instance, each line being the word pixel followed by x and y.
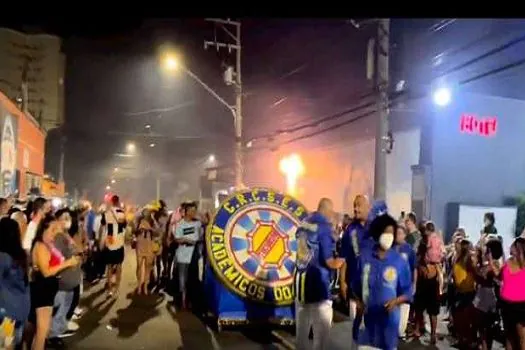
pixel 382 283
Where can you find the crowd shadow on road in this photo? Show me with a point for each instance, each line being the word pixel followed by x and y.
pixel 191 330
pixel 141 309
pixel 97 311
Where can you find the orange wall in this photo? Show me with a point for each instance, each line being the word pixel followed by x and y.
pixel 30 141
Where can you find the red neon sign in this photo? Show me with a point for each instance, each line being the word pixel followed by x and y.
pixel 472 124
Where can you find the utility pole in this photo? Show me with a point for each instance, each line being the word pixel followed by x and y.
pixel 62 157
pixel 383 141
pixel 157 190
pixel 232 77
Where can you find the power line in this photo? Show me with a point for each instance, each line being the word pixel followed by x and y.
pixel 366 114
pixel 160 110
pixel 357 108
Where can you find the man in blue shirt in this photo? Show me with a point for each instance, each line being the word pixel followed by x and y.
pixel 355 239
pixel 315 260
pixel 381 284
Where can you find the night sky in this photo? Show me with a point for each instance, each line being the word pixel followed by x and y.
pixel 293 71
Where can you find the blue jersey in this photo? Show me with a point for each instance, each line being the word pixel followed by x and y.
pixel 315 245
pixel 408 254
pixel 378 281
pixel 355 240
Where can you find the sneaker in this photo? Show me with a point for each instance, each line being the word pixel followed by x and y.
pixel 67 334
pixel 78 311
pixel 72 326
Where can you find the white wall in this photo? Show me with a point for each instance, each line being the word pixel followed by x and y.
pixel 399 174
pixel 471 219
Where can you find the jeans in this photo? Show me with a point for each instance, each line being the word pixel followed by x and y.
pixel 74 301
pixel 315 315
pixel 182 269
pixel 63 301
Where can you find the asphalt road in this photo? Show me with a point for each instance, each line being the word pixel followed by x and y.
pixel 149 322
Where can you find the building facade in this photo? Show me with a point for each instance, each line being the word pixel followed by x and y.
pixel 22 150
pixel 37 60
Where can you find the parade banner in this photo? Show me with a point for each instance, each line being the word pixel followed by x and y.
pixel 251 248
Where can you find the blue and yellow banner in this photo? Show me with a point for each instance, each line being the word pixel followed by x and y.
pixel 251 248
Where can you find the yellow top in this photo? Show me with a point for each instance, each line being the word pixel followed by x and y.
pixel 463 279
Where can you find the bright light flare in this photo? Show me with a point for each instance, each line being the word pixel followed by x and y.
pixel 291 167
pixel 170 62
pixel 131 147
pixel 56 202
pixel 442 96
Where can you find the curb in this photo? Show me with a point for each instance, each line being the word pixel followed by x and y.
pixel 287 342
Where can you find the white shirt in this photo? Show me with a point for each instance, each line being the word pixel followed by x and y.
pixel 30 235
pixel 191 230
pixel 113 223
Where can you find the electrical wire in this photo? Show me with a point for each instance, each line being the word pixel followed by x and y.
pixel 366 114
pixel 367 105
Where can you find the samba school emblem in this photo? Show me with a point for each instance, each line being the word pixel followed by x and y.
pixel 252 245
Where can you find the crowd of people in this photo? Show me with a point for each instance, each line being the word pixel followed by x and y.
pixel 391 273
pixel 48 253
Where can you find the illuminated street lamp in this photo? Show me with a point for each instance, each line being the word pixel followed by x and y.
pixel 152 145
pixel 131 147
pixel 108 187
pixel 113 181
pixel 442 96
pixel 115 169
pixel 211 158
pixel 170 62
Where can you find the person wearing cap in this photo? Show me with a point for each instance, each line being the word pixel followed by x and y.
pixel 381 284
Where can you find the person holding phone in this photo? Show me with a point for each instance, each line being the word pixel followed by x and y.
pixel 48 262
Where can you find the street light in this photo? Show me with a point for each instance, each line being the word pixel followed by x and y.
pixel 152 145
pixel 171 63
pixel 211 158
pixel 113 181
pixel 131 147
pixel 147 126
pixel 108 187
pixel 115 169
pixel 442 96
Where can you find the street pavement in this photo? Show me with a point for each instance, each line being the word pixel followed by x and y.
pixel 341 330
pixel 149 322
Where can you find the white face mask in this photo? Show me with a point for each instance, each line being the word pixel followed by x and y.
pixel 67 225
pixel 386 240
